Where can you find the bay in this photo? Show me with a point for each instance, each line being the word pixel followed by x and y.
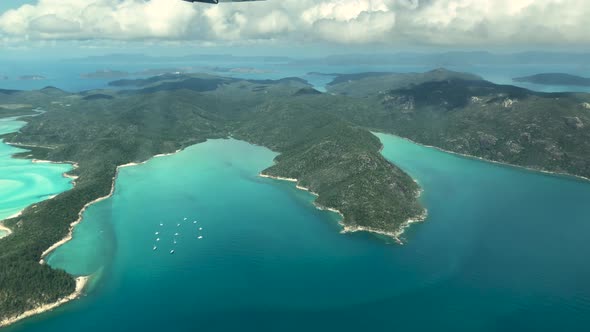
pixel 501 250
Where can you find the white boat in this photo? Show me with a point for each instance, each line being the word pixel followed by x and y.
pixel 155 248
pixel 171 252
pixel 158 239
pixel 157 233
pixel 176 234
pixel 161 224
pixel 200 237
pixel 185 219
pixel 177 225
pixel 200 228
pixel 194 222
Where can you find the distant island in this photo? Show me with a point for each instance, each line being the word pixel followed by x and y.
pixel 555 79
pixel 118 74
pixel 163 71
pixel 105 74
pixel 32 78
pixel 241 70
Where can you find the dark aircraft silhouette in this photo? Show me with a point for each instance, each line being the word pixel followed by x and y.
pixel 218 1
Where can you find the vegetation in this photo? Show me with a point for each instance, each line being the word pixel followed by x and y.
pixel 545 131
pixel 334 158
pixel 372 84
pixel 323 139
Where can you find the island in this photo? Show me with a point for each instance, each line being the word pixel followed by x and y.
pixel 555 79
pixel 324 140
pixel 241 70
pixel 32 78
pixel 105 74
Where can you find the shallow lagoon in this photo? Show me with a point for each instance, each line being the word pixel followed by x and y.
pixel 23 182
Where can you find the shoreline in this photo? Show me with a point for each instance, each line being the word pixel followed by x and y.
pixel 81 283
pixel 65 175
pixel 5 229
pixel 353 229
pixel 395 235
pixel 73 225
pixel 464 155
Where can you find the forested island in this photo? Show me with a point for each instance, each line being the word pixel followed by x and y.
pixel 32 78
pixel 324 141
pixel 105 74
pixel 555 79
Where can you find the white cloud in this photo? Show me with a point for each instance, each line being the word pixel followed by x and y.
pixel 469 22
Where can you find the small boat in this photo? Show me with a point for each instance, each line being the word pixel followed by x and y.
pixel 177 225
pixel 155 248
pixel 157 233
pixel 176 234
pixel 200 228
pixel 174 241
pixel 200 237
pixel 158 239
pixel 185 219
pixel 194 222
pixel 161 224
pixel 171 252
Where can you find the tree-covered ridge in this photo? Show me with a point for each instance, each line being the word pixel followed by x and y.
pixel 371 84
pixel 545 131
pixel 333 157
pixel 338 161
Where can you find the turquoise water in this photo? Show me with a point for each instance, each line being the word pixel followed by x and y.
pixel 503 249
pixel 23 182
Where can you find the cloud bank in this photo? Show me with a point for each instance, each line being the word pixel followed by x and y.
pixel 417 22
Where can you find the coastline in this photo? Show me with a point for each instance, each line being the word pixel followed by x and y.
pixel 397 234
pixel 73 225
pixel 5 229
pixel 353 229
pixel 464 155
pixel 37 161
pixel 65 175
pixel 81 283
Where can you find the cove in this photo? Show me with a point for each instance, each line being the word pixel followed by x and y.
pixel 503 249
pixel 23 182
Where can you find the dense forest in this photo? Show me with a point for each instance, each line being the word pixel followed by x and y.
pixel 503 123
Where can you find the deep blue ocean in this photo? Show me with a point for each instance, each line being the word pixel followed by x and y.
pixel 503 249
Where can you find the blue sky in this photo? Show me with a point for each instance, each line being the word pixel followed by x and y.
pixel 7 4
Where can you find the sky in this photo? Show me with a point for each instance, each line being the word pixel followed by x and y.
pixel 362 25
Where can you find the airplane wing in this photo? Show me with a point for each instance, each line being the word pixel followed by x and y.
pixel 218 1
